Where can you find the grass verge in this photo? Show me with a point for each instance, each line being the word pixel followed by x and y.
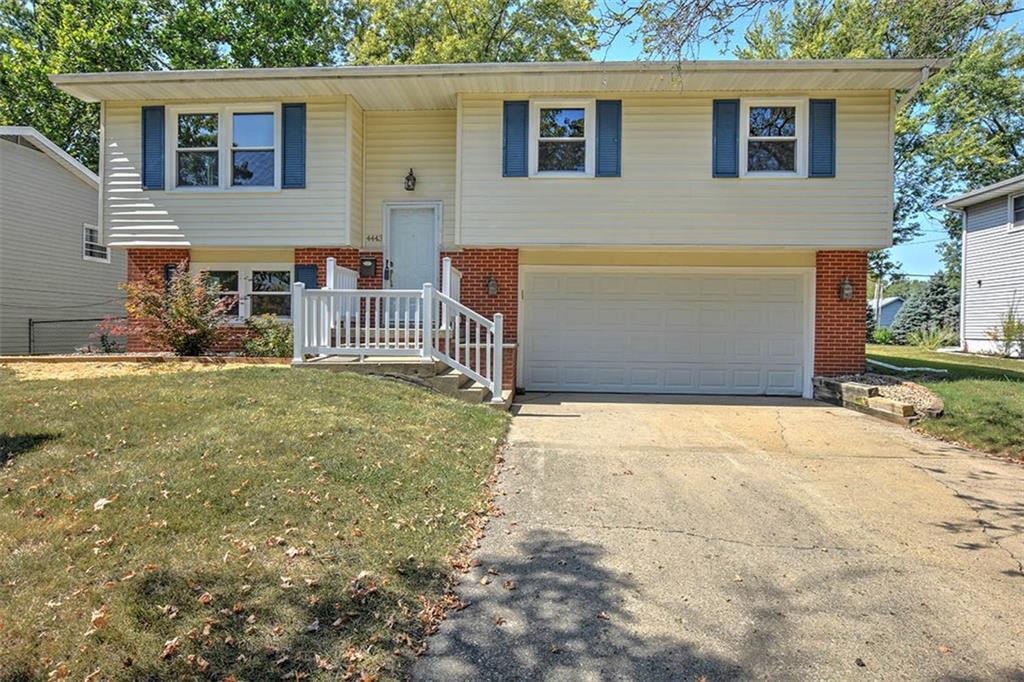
pixel 257 523
pixel 984 397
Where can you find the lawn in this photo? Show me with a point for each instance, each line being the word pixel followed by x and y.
pixel 255 523
pixel 984 397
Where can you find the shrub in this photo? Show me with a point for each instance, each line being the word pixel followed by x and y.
pixel 105 334
pixel 882 335
pixel 937 306
pixel 870 322
pixel 270 337
pixel 1009 335
pixel 186 315
pixel 932 338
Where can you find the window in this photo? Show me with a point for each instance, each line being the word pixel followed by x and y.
pixel 197 150
pixel 561 138
pixel 260 289
pixel 252 149
pixel 1017 212
pixel 773 137
pixel 227 148
pixel 227 280
pixel 92 245
pixel 271 292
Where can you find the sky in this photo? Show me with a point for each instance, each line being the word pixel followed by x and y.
pixel 919 257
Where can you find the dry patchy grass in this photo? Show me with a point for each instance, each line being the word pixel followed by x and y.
pixel 258 523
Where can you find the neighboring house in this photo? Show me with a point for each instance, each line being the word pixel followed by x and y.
pixel 885 310
pixel 54 264
pixel 992 259
pixel 697 227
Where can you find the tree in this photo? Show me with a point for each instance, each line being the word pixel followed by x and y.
pixel 433 31
pixel 927 160
pixel 937 306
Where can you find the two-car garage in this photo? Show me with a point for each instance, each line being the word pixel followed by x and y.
pixel 740 331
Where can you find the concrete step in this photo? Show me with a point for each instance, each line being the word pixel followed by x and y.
pixel 449 383
pixel 404 366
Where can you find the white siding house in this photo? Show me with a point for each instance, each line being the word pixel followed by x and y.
pixel 992 259
pixel 53 261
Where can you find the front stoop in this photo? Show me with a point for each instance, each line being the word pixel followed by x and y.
pixel 436 376
pixel 863 398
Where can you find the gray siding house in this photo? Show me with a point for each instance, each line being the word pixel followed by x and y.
pixel 54 265
pixel 885 310
pixel 992 259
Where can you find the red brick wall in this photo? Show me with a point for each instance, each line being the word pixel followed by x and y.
pixel 346 258
pixel 839 326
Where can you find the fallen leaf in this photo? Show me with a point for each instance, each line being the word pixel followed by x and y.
pixel 205 598
pixel 604 616
pixel 102 502
pixel 509 584
pixel 100 618
pixel 170 648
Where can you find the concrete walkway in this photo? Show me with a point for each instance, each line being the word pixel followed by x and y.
pixel 673 538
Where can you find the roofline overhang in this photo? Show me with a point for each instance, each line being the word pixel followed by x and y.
pixel 976 196
pixel 50 148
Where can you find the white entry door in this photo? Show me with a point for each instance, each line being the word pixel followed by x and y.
pixel 645 330
pixel 411 244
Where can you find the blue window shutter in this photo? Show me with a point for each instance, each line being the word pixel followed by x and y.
pixel 725 138
pixel 169 269
pixel 293 155
pixel 609 138
pixel 822 139
pixel 307 275
pixel 152 147
pixel 515 140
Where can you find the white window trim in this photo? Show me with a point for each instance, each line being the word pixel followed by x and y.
pixel 589 137
pixel 244 271
pixel 801 105
pixel 224 136
pixel 1011 226
pixel 99 235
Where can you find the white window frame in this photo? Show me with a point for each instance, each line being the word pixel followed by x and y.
pixel 801 106
pixel 1012 226
pixel 85 244
pixel 589 137
pixel 245 271
pixel 225 125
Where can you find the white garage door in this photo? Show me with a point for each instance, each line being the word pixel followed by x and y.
pixel 664 331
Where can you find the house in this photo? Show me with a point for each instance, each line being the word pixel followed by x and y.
pixel 885 310
pixel 57 276
pixel 992 259
pixel 697 227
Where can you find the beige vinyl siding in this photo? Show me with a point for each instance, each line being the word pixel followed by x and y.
pixel 42 273
pixel 356 144
pixel 314 216
pixel 395 142
pixel 663 258
pixel 993 270
pixel 667 196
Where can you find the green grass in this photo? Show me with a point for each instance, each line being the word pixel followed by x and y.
pixel 984 397
pixel 246 506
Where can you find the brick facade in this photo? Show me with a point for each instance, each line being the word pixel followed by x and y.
pixel 143 263
pixel 839 326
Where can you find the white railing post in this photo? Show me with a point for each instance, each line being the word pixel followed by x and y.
pixel 298 322
pixel 446 289
pixel 499 358
pixel 428 321
pixel 329 281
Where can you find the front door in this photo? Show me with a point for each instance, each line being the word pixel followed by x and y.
pixel 411 244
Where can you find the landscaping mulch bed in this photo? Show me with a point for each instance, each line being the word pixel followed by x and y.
pixel 925 402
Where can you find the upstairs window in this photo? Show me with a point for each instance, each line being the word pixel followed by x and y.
pixel 227 148
pixel 1017 212
pixel 562 138
pixel 252 149
pixel 198 150
pixel 92 245
pixel 774 138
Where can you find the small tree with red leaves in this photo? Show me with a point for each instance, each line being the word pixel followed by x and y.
pixel 185 314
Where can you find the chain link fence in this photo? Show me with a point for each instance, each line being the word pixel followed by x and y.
pixel 71 335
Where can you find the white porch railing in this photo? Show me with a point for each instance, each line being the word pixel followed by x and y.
pixel 341 320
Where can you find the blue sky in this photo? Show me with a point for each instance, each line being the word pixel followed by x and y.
pixel 918 257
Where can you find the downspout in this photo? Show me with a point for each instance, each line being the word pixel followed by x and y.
pixel 963 280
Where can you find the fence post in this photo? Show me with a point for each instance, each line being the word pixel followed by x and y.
pixel 298 322
pixel 329 280
pixel 499 357
pixel 428 321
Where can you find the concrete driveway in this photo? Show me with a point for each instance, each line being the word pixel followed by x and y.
pixel 674 538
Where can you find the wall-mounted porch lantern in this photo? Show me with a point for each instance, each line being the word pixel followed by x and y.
pixel 845 289
pixel 410 181
pixel 492 286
